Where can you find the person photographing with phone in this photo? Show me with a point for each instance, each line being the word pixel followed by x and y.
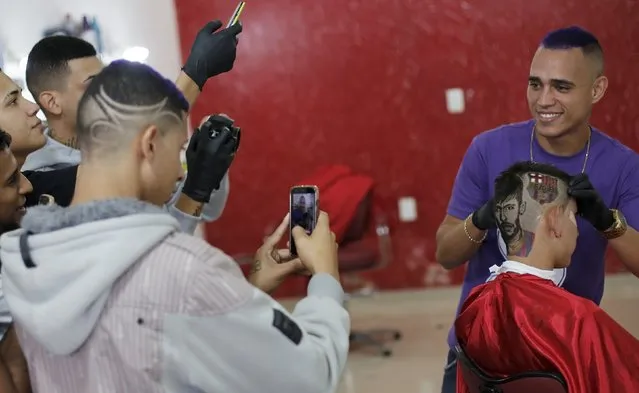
pixel 141 306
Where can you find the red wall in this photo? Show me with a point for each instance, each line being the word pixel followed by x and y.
pixel 362 83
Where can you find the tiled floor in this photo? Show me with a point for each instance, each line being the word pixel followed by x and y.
pixel 424 318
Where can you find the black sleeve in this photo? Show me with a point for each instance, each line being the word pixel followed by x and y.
pixel 59 183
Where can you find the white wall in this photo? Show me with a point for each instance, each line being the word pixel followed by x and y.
pixel 124 23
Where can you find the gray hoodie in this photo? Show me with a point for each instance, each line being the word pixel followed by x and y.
pixel 120 301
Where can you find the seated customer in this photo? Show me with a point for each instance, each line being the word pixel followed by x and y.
pixel 108 296
pixel 521 320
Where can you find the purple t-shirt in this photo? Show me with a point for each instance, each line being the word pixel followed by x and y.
pixel 612 167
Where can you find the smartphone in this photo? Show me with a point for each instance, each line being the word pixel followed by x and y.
pixel 304 211
pixel 236 14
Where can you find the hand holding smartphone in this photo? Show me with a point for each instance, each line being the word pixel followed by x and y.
pixel 304 211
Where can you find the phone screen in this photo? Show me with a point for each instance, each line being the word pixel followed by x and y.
pixel 236 14
pixel 303 210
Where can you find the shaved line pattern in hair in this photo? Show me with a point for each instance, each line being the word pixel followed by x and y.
pixel 106 123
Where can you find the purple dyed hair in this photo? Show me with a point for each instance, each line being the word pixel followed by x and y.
pixel 569 37
pixel 576 37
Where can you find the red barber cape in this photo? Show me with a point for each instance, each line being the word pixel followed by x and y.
pixel 520 322
pixel 341 192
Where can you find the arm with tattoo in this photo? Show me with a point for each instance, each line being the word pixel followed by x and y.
pixel 188 206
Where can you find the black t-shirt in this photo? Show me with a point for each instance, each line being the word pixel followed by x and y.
pixel 59 183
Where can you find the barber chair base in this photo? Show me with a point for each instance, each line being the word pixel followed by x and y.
pixel 376 339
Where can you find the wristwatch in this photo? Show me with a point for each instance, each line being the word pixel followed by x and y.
pixel 618 227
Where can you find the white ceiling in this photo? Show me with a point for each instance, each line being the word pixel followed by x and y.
pixel 124 24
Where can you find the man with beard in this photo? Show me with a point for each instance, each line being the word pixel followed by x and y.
pixel 509 210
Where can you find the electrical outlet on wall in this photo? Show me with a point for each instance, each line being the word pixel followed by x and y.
pixel 407 209
pixel 455 101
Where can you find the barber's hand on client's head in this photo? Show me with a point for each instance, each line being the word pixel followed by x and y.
pixel 484 217
pixel 213 52
pixel 209 155
pixel 590 205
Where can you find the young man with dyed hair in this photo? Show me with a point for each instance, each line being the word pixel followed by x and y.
pixel 522 320
pixel 566 79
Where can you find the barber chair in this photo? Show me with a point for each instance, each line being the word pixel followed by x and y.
pixel 479 381
pixel 359 252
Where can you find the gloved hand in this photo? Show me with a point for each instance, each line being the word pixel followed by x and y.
pixel 212 53
pixel 484 217
pixel 209 155
pixel 589 203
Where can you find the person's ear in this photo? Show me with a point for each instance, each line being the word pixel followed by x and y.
pixel 50 101
pixel 148 142
pixel 522 208
pixel 599 88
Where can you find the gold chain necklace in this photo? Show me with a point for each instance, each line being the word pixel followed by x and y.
pixel 583 169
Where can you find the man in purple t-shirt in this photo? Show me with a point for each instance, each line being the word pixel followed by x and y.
pixel 566 79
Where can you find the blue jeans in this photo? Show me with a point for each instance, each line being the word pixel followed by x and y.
pixel 449 384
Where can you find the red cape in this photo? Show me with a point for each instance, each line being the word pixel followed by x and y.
pixel 520 323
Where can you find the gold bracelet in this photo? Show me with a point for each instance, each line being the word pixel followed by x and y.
pixel 468 233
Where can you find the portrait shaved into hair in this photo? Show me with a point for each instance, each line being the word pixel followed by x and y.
pixel 520 194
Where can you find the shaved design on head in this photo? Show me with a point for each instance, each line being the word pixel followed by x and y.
pixel 107 123
pixel 521 192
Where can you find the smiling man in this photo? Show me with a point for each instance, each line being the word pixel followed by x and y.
pixel 13 188
pixel 566 79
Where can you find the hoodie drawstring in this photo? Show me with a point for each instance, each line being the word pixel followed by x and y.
pixel 25 253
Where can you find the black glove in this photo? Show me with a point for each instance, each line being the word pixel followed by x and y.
pixel 589 203
pixel 212 53
pixel 209 155
pixel 484 217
